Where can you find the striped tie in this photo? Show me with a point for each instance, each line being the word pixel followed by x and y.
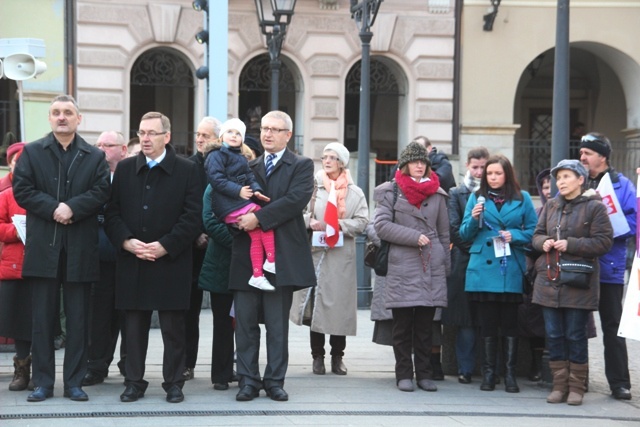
pixel 269 166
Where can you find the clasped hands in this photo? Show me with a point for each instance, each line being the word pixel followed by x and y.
pixel 559 245
pixel 63 214
pixel 145 251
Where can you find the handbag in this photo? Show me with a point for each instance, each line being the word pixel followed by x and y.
pixel 377 257
pixel 576 274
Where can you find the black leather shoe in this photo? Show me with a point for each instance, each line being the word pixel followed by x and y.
pixel 175 395
pixel 621 393
pixel 40 394
pixel 221 386
pixel 187 374
pixel 247 393
pixel 278 394
pixel 76 394
pixel 464 379
pixel 131 394
pixel 92 378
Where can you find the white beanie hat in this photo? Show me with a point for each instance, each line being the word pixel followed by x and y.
pixel 236 124
pixel 340 150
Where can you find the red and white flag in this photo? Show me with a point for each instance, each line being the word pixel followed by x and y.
pixel 331 218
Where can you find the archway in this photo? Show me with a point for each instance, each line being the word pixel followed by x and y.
pixel 598 101
pixel 255 95
pixel 387 113
pixel 162 79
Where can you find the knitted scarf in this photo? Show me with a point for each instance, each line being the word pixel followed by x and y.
pixel 417 192
pixel 471 183
pixel 342 185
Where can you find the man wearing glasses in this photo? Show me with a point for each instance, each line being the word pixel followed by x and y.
pixel 105 319
pixel 595 150
pixel 288 180
pixel 153 217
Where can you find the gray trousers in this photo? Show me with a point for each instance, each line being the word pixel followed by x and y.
pixel 272 308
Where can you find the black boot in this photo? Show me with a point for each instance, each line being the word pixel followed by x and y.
pixel 436 367
pixel 535 373
pixel 510 348
pixel 490 345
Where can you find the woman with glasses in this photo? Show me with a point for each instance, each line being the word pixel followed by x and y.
pixel 573 227
pixel 411 215
pixel 498 221
pixel 331 307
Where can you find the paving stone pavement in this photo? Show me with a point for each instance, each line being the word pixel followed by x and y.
pixel 367 396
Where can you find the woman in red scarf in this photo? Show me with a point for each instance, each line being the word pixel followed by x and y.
pixel 15 295
pixel 331 307
pixel 417 226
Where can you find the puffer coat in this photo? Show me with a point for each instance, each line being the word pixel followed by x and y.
pixel 407 282
pixel 585 225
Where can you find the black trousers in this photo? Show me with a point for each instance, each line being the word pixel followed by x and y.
pixel 412 330
pixel 192 316
pixel 138 323
pixel 45 293
pixel 616 360
pixel 338 344
pixel 222 346
pixel 105 322
pixel 495 316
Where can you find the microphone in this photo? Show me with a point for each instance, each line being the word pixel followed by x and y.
pixel 481 200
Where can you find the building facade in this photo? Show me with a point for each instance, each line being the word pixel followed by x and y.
pixel 435 72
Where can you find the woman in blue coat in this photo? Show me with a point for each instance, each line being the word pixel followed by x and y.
pixel 499 220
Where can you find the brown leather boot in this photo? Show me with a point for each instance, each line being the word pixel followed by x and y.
pixel 560 372
pixel 21 374
pixel 318 365
pixel 337 366
pixel 577 377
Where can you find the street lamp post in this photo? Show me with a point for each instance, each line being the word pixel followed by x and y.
pixel 364 13
pixel 274 26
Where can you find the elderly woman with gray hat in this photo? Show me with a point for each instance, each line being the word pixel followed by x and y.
pixel 573 227
pixel 331 307
pixel 411 215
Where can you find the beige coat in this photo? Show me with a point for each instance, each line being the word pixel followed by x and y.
pixel 333 305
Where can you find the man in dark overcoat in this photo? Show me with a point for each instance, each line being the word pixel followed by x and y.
pixel 152 219
pixel 62 182
pixel 290 186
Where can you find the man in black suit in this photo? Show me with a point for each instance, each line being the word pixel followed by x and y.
pixel 288 180
pixel 152 219
pixel 105 320
pixel 207 132
pixel 62 182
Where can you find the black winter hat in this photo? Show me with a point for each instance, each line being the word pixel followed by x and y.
pixel 414 151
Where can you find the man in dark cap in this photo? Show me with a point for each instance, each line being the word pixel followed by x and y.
pixel 595 150
pixel 439 163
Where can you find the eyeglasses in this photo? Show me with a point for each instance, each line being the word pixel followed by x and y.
pixel 101 145
pixel 272 130
pixel 150 134
pixel 326 157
